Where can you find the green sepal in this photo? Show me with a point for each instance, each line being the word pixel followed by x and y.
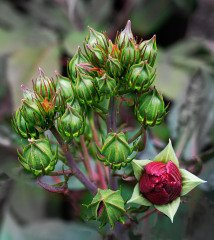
pixel 22 127
pixel 38 157
pixel 125 36
pixel 167 154
pixel 148 50
pixel 44 86
pixel 189 181
pixel 150 108
pixel 63 85
pixel 77 59
pixel 96 38
pixel 138 198
pixel 107 207
pixel 169 209
pixel 86 89
pixel 115 151
pixel 106 85
pixel 138 166
pixel 71 124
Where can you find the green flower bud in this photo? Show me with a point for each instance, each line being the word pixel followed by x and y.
pixel 59 102
pixel 115 151
pixel 113 67
pixel 148 50
pixel 77 58
pixel 140 76
pixel 96 38
pixel 86 89
pixel 23 128
pixel 96 55
pixel 44 86
pixel 38 157
pixel 106 85
pixel 130 54
pixel 150 108
pixel 33 112
pixel 107 207
pixel 74 103
pixel 71 124
pixel 125 36
pixel 64 85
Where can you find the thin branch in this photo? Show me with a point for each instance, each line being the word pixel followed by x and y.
pixel 53 189
pixel 112 115
pixel 147 215
pixel 99 166
pixel 86 159
pixel 72 164
pixel 137 135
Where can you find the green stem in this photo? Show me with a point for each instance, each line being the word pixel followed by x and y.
pixel 137 135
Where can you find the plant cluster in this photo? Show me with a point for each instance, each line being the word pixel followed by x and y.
pixel 82 113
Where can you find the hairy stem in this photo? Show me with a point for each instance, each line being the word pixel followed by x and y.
pixel 72 164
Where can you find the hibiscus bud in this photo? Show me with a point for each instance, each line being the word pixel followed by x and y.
pixel 63 85
pixel 125 36
pixel 161 183
pixel 113 67
pixel 150 108
pixel 44 86
pixel 115 151
pixel 38 157
pixel 76 59
pixel 96 55
pixel 130 54
pixel 33 112
pixel 71 124
pixel 85 89
pixel 148 50
pixel 140 76
pixel 23 128
pixel 96 38
pixel 74 103
pixel 106 85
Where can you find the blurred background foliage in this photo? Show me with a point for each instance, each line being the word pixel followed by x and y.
pixel 46 33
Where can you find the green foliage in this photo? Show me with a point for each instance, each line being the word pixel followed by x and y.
pixel 107 207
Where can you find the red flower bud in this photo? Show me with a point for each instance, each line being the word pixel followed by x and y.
pixel 161 182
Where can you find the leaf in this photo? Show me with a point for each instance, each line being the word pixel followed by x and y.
pixel 189 181
pixel 107 207
pixel 138 166
pixel 169 209
pixel 138 198
pixel 167 154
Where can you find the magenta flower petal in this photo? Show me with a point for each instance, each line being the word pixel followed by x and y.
pixel 161 183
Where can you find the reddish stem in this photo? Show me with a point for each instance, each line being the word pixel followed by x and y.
pixel 86 159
